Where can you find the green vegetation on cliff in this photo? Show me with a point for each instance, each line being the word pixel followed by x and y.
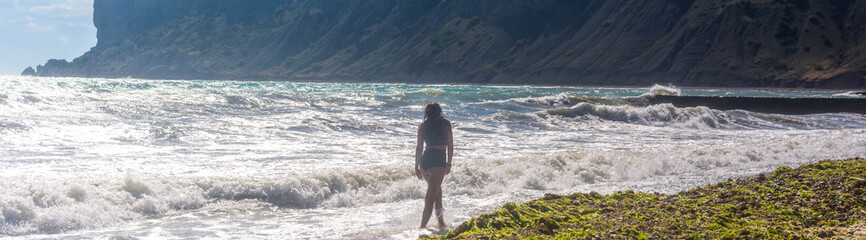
pixel 821 200
pixel 715 43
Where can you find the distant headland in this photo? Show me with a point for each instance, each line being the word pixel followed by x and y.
pixel 702 43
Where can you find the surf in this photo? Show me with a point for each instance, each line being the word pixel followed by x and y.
pixel 86 158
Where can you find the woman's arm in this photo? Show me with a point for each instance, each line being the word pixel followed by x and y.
pixel 419 149
pixel 447 129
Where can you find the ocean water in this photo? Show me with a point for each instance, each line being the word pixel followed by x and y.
pixel 128 158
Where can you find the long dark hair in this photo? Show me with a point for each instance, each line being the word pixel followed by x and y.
pixel 432 112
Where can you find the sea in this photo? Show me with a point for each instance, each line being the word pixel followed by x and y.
pixel 91 158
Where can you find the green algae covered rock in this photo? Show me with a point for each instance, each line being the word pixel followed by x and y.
pixel 824 200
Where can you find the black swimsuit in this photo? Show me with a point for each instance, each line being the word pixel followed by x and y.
pixel 434 135
pixel 433 157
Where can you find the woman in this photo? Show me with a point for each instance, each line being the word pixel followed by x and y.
pixel 430 162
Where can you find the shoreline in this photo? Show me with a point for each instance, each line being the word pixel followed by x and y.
pixel 817 200
pixel 469 84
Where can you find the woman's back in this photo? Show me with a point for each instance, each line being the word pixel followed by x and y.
pixel 434 134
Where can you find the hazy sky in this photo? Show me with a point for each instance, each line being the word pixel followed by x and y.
pixel 33 31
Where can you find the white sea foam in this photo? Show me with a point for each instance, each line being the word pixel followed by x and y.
pixel 554 100
pixel 49 207
pixel 659 90
pixel 656 115
pixel 854 94
pixel 702 117
pixel 91 158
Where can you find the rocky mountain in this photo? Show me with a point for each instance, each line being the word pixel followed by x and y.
pixel 718 43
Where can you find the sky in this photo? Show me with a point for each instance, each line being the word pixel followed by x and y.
pixel 33 31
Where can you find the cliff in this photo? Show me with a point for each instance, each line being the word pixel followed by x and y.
pixel 719 43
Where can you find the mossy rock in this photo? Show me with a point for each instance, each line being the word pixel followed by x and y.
pixel 814 201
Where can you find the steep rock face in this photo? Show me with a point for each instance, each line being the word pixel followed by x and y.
pixel 29 71
pixel 731 43
pixel 116 20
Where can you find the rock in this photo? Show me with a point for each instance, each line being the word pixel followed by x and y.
pixel 813 201
pixel 710 43
pixel 29 72
pixel 54 67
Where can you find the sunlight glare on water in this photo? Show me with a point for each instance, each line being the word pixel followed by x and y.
pixel 85 158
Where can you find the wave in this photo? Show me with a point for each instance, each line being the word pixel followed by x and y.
pixel 655 115
pixel 430 91
pixel 166 134
pixel 563 99
pixel 667 115
pixel 50 207
pixel 639 110
pixel 559 101
pixel 854 94
pixel 56 206
pixel 12 126
pixel 33 205
pixel 420 93
pixel 659 90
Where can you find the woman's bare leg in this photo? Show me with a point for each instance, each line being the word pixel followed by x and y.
pixel 437 204
pixel 434 189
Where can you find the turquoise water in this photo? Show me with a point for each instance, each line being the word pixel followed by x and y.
pixel 131 158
